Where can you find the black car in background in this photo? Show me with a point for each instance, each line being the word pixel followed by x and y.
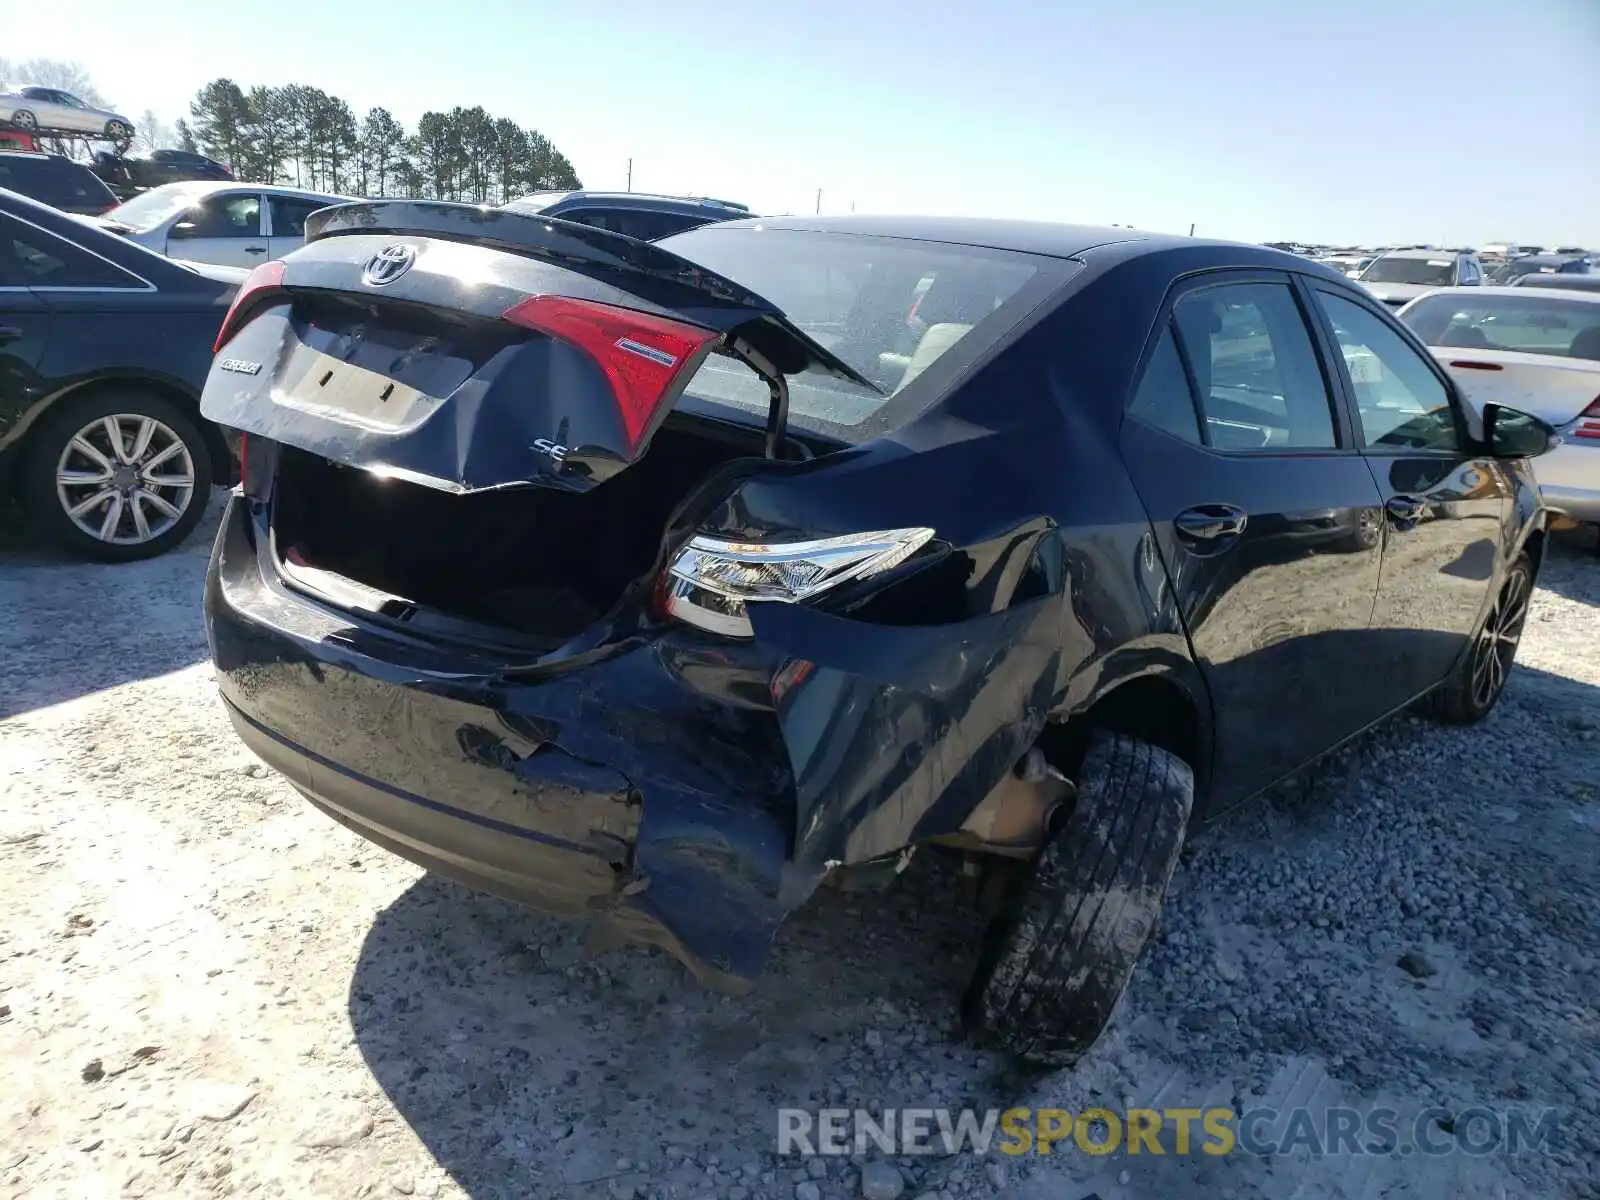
pixel 636 214
pixel 1588 281
pixel 1540 264
pixel 703 572
pixel 127 176
pixel 59 182
pixel 104 347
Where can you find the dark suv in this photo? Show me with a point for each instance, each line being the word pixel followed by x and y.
pixel 59 182
pixel 636 214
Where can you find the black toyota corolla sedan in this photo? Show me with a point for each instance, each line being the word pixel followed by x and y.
pixel 104 347
pixel 660 583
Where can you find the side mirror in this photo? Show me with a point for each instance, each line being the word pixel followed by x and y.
pixel 1512 433
pixel 182 229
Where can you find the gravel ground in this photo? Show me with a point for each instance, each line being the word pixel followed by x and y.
pixel 209 989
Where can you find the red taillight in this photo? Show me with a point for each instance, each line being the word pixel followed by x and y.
pixel 640 353
pixel 1589 421
pixel 268 277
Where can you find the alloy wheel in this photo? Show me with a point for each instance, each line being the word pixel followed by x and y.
pixel 24 120
pixel 1496 647
pixel 125 478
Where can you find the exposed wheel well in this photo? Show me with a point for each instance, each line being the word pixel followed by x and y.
pixel 1151 708
pixel 1534 549
pixel 222 464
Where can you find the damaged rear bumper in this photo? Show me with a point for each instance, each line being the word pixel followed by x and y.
pixel 648 791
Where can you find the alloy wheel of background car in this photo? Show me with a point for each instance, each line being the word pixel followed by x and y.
pixel 117 477
pixel 23 119
pixel 1479 679
pixel 125 478
pixel 118 131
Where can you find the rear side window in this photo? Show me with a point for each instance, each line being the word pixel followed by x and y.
pixel 1528 324
pixel 30 257
pixel 1254 368
pixel 289 215
pixel 890 307
pixel 56 182
pixel 1163 398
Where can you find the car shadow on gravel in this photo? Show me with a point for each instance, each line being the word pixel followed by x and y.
pixel 519 1057
pixel 72 627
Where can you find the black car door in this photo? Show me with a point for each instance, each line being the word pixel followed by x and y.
pixel 1444 498
pixel 1266 517
pixel 25 325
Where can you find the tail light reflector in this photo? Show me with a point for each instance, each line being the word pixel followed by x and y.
pixel 244 463
pixel 709 581
pixel 257 286
pixel 1588 425
pixel 642 354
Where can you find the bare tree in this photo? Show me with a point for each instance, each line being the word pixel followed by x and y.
pixel 153 134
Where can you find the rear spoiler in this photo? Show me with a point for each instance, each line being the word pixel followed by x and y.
pixel 643 268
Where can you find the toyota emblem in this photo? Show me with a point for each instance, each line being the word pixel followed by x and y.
pixel 388 264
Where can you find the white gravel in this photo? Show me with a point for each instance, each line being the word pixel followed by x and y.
pixel 208 989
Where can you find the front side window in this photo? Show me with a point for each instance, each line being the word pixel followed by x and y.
pixel 222 217
pixel 1526 323
pixel 30 257
pixel 1427 272
pixel 1254 368
pixel 1402 403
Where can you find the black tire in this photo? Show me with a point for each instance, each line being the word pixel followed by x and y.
pixel 1056 961
pixel 23 119
pixel 119 131
pixel 1479 679
pixel 43 454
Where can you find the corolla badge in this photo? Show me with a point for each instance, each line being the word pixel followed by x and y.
pixel 388 264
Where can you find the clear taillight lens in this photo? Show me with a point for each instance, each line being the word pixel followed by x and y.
pixel 710 581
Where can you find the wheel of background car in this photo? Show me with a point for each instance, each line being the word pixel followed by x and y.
pixel 117 476
pixel 117 130
pixel 1060 954
pixel 1479 679
pixel 23 119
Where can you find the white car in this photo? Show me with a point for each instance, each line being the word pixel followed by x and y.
pixel 1399 276
pixel 32 107
pixel 1535 349
pixel 233 224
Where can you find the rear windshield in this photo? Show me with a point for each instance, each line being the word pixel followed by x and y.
pixel 1530 324
pixel 56 182
pixel 1433 272
pixel 889 307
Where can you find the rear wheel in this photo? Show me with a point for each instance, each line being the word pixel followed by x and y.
pixel 119 131
pixel 23 119
pixel 1057 959
pixel 1474 687
pixel 117 476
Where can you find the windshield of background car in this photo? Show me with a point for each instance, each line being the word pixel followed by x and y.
pixel 890 307
pixel 1530 325
pixel 1431 272
pixel 155 206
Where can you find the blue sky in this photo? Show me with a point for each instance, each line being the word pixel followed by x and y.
pixel 1345 120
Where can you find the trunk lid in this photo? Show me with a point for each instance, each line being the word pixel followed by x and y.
pixel 467 348
pixel 1551 388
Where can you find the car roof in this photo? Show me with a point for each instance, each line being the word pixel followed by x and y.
pixel 205 187
pixel 1056 240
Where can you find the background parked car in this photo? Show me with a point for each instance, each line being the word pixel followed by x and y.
pixel 125 176
pixel 1397 276
pixel 56 181
pixel 1541 264
pixel 1566 281
pixel 32 107
pixel 232 224
pixel 1540 350
pixel 637 214
pixel 104 348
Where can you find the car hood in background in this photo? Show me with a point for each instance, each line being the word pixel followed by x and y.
pixel 1399 293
